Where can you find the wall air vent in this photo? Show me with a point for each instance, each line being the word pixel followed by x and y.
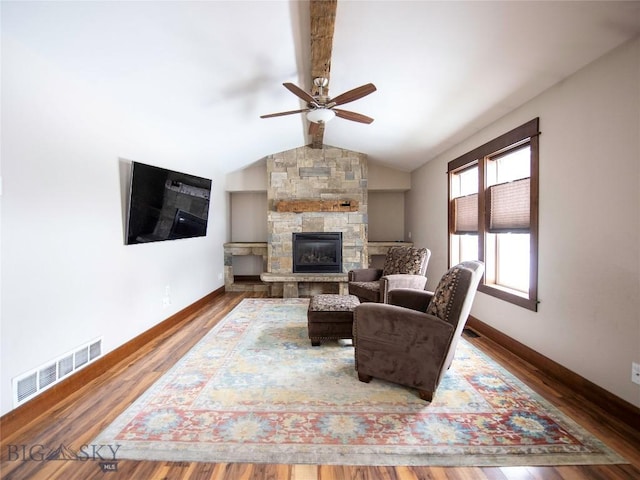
pixel 65 365
pixel 26 387
pixel 47 375
pixel 82 357
pixel 95 350
pixel 35 381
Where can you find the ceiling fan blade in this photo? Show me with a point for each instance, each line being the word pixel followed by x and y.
pixel 298 92
pixel 283 113
pixel 354 94
pixel 353 116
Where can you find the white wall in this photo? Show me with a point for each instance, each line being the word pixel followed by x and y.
pixel 249 179
pixel 589 252
pixel 67 276
pixel 383 178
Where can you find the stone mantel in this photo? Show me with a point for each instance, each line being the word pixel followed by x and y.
pixel 246 248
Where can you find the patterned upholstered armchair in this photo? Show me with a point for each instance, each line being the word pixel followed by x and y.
pixel 404 267
pixel 413 340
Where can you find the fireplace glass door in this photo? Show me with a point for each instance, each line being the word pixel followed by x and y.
pixel 317 252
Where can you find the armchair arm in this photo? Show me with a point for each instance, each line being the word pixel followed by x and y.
pixel 364 275
pixel 391 282
pixel 409 298
pixel 398 325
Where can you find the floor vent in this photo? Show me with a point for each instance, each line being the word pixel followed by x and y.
pixel 31 383
pixel 470 333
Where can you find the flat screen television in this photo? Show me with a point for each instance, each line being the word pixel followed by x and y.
pixel 166 205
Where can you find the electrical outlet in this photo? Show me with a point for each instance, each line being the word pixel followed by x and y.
pixel 220 276
pixel 635 372
pixel 166 300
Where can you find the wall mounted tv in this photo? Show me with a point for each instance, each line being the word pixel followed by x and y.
pixel 166 205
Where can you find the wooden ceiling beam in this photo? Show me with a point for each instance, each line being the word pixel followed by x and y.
pixel 323 19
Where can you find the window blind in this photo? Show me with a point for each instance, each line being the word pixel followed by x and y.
pixel 465 214
pixel 509 207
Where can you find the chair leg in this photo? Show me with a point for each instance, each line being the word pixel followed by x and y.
pixel 363 377
pixel 426 396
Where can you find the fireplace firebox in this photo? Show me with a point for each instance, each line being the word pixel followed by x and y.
pixel 317 252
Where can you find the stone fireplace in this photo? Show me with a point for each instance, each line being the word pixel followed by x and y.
pixel 330 184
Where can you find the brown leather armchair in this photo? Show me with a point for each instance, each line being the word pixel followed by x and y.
pixel 412 341
pixel 404 267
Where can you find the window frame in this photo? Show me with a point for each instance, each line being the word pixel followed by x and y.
pixel 526 134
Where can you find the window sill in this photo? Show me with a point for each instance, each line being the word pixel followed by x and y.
pixel 511 296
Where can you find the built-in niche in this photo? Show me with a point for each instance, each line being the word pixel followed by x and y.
pixel 386 216
pixel 248 225
pixel 386 221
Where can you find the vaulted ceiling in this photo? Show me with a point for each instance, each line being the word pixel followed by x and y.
pixel 202 73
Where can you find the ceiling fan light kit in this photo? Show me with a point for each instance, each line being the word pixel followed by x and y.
pixel 320 115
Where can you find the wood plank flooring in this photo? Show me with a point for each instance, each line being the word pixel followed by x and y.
pixel 78 419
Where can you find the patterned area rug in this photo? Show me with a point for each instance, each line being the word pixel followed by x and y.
pixel 254 390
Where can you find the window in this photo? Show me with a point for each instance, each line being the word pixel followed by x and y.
pixel 493 213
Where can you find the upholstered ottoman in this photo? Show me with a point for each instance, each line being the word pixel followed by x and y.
pixel 330 317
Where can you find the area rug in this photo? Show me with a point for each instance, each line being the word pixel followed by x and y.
pixel 254 390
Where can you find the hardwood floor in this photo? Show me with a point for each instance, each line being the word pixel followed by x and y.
pixel 80 417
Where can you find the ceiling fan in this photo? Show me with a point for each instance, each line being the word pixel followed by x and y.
pixel 321 109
